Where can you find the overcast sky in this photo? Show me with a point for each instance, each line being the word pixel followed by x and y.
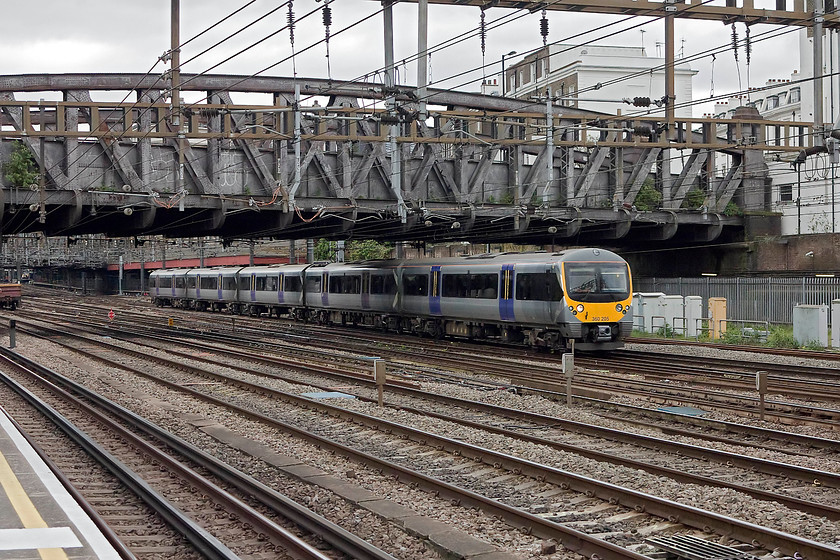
pixel 61 36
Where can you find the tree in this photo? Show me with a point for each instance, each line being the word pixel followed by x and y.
pixel 21 169
pixel 357 250
pixel 366 249
pixel 323 250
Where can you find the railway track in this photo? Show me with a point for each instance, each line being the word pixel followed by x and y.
pixel 670 380
pixel 560 479
pixel 672 383
pixel 794 352
pixel 163 472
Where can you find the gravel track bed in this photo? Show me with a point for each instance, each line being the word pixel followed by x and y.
pixel 165 409
pixel 724 501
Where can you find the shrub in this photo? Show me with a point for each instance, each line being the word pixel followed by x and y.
pixel 781 337
pixel 665 331
pixel 732 209
pixel 813 345
pixel 733 334
pixel 694 199
pixel 21 169
pixel 648 198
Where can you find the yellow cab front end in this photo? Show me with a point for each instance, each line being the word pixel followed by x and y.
pixel 598 294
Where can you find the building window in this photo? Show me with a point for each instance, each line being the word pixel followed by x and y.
pixel 794 96
pixel 771 103
pixel 786 193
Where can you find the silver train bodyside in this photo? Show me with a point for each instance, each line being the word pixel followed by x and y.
pixel 539 299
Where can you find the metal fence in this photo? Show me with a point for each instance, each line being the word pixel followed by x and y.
pixel 750 299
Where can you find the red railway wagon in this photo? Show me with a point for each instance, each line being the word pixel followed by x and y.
pixel 9 296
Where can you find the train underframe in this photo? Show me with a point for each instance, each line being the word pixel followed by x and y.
pixel 587 337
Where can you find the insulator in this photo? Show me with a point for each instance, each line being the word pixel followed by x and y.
pixel 327 14
pixel 482 32
pixel 748 46
pixel 735 42
pixel 290 19
pixel 641 101
pixel 544 27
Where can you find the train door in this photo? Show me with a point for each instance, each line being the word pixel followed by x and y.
pixel 325 289
pixel 253 287
pixel 365 290
pixel 219 285
pixel 506 282
pixel 435 279
pixel 280 295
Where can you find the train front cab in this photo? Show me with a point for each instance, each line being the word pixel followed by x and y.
pixel 598 292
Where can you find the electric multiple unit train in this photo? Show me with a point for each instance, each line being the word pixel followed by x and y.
pixel 539 299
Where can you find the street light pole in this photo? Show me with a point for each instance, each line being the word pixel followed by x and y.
pixel 504 78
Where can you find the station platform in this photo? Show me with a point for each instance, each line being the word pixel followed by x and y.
pixel 39 519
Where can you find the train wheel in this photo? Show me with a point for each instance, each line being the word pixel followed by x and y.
pixel 324 318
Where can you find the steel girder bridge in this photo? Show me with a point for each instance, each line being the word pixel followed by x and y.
pixel 430 165
pixel 474 167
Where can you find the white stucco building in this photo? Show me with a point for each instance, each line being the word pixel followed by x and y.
pixel 807 198
pixel 598 78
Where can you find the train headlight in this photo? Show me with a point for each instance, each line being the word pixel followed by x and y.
pixel 579 308
pixel 619 307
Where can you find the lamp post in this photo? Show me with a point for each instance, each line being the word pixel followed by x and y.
pixel 504 78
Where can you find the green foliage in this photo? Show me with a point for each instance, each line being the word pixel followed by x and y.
pixel 358 250
pixel 813 345
pixel 366 249
pixel 733 335
pixel 323 250
pixel 694 199
pixel 507 198
pixel 21 169
pixel 491 199
pixel 665 331
pixel 648 198
pixel 732 209
pixel 781 337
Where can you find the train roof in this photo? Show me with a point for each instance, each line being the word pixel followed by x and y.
pixel 512 257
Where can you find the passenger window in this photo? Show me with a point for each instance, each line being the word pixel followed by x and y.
pixel 416 284
pixel 313 284
pixel 292 284
pixel 541 286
